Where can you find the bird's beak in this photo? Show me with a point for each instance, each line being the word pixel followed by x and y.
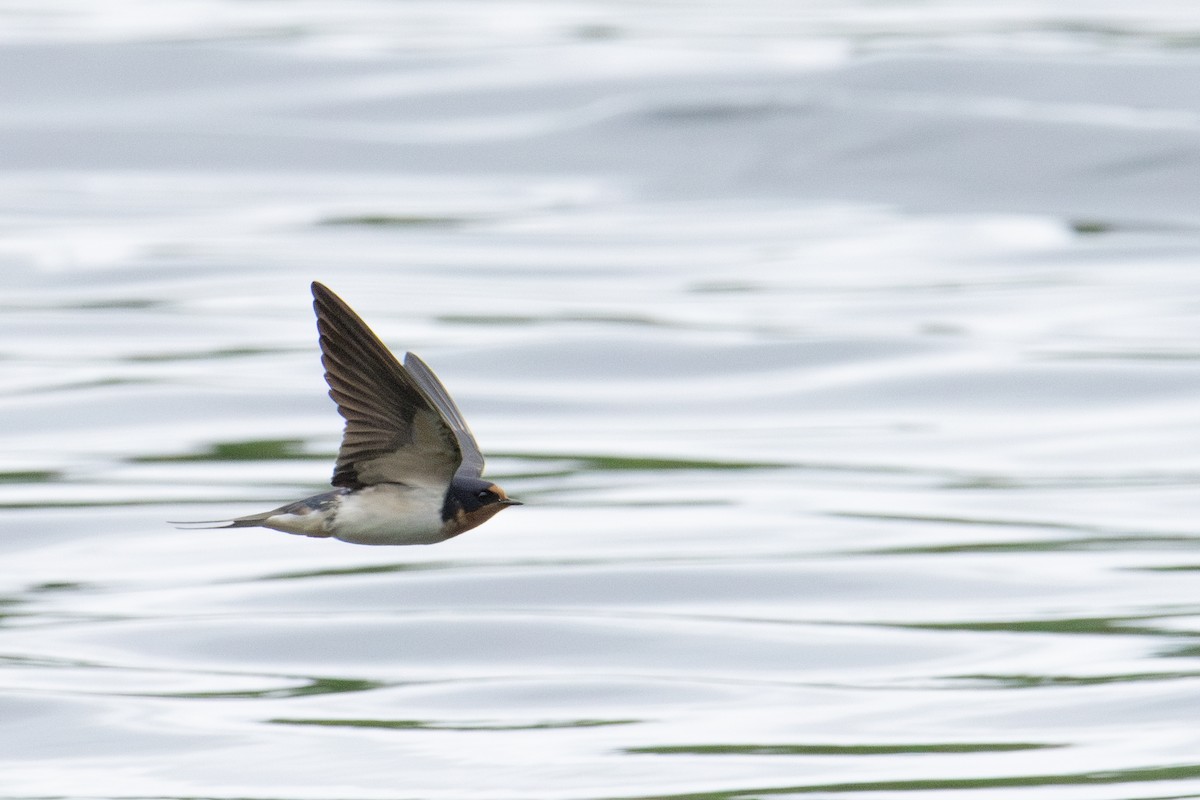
pixel 510 502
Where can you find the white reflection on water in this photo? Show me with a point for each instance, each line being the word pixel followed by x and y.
pixel 857 436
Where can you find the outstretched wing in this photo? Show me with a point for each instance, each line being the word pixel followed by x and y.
pixel 395 432
pixel 472 458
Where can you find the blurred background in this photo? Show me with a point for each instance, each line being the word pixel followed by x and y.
pixel 844 353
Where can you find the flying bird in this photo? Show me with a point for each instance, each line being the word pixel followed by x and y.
pixel 408 470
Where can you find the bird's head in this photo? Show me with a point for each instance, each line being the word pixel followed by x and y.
pixel 470 502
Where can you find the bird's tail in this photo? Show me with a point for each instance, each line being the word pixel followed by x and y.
pixel 250 521
pixel 308 505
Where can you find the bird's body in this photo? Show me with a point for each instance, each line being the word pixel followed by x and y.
pixel 408 470
pixel 388 513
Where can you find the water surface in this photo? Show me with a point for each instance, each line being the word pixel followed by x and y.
pixel 846 363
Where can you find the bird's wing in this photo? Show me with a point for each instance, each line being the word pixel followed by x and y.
pixel 472 458
pixel 394 432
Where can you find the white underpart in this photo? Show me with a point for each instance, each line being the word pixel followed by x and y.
pixel 311 523
pixel 389 513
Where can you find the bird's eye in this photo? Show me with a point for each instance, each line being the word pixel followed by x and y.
pixel 486 495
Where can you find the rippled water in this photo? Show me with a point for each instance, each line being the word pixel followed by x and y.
pixel 846 363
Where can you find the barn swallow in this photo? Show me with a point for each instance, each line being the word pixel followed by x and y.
pixel 408 470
